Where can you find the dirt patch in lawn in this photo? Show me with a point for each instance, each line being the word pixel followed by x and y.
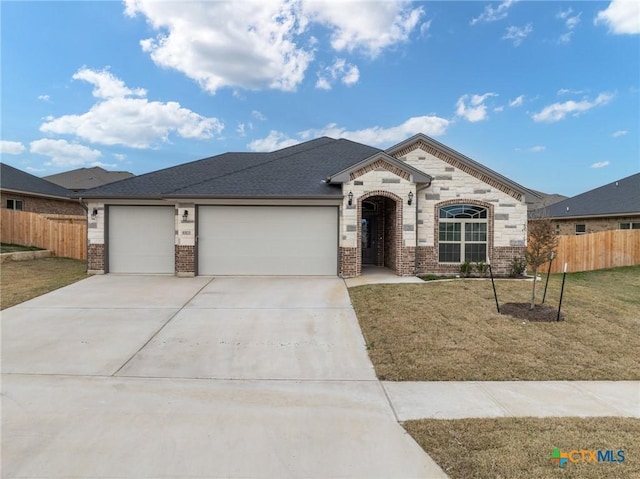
pixel 23 280
pixel 541 312
pixel 451 331
pixel 520 448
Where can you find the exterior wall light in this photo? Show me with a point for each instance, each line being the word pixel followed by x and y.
pixel 410 198
pixel 185 215
pixel 94 213
pixel 350 198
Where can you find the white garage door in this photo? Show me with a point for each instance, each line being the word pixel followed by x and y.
pixel 141 239
pixel 267 240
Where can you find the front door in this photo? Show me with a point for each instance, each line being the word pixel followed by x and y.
pixel 369 240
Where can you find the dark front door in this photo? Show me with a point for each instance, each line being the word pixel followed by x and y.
pixel 369 240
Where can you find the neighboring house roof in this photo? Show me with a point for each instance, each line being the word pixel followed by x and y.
pixel 85 178
pixel 18 181
pixel 618 198
pixel 544 201
pixel 309 169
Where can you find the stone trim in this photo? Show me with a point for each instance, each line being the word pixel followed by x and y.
pixel 379 164
pixel 458 164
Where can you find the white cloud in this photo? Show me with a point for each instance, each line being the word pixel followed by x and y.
pixel 619 133
pixel 240 129
pixel 558 111
pixel 120 156
pixel 498 109
pixel 370 27
pixel 565 91
pixel 11 147
pixel 565 37
pixel 600 164
pixel 258 116
pixel 537 149
pixel 430 125
pixel 35 170
pixel 63 153
pixel 517 102
pixel 118 119
pixel 570 21
pixel 491 14
pixel 621 16
pixel 256 44
pixel 340 70
pixel 475 110
pixel 44 97
pixel 275 140
pixel 518 34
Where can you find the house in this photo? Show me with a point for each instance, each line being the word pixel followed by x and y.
pixel 543 200
pixel 609 207
pixel 85 178
pixel 323 207
pixel 22 191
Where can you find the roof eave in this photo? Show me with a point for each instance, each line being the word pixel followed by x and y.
pixel 42 195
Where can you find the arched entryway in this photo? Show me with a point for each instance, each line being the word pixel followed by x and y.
pixel 380 230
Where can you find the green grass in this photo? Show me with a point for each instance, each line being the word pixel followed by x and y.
pixel 438 331
pixel 12 248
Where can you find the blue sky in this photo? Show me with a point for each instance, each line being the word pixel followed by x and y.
pixel 546 93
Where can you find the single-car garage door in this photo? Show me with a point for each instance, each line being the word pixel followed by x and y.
pixel 141 239
pixel 267 240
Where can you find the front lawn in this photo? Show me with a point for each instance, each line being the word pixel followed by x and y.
pixel 13 248
pixel 450 331
pixel 520 448
pixel 23 280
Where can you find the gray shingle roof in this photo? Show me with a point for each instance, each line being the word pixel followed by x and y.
pixel 617 198
pixel 85 178
pixel 296 171
pixel 17 180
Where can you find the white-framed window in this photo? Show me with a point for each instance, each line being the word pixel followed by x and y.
pixel 630 226
pixel 462 234
pixel 14 204
pixel 581 229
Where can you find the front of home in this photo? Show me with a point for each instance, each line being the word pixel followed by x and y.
pixel 324 207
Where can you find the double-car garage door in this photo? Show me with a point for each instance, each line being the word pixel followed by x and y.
pixel 232 240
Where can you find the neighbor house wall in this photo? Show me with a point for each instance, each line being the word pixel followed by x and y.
pixel 42 205
pixel 592 225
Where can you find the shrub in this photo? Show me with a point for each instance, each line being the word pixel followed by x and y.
pixel 517 267
pixel 482 268
pixel 465 269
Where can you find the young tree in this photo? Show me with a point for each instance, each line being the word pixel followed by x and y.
pixel 542 242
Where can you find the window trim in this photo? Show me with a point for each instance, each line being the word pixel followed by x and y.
pixel 584 225
pixel 15 201
pixel 629 225
pixel 482 217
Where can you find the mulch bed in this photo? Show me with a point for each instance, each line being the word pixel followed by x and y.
pixel 542 312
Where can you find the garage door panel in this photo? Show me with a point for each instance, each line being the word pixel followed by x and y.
pixel 278 240
pixel 141 239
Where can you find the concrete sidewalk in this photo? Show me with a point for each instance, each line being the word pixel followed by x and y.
pixel 456 400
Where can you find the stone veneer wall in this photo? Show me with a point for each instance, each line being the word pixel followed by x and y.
pixel 96 258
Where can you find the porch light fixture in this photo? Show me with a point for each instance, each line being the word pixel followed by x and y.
pixel 350 198
pixel 94 213
pixel 185 215
pixel 410 198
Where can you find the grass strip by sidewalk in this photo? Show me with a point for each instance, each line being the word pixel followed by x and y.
pixel 450 331
pixel 23 280
pixel 519 448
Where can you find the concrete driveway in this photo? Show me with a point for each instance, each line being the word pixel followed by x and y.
pixel 157 376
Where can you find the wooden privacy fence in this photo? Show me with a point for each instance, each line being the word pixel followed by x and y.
pixel 31 229
pixel 606 249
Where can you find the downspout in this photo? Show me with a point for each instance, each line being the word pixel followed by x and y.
pixel 415 264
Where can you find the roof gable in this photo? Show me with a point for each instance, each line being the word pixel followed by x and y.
pixel 85 178
pixel 17 180
pixel 384 161
pixel 461 162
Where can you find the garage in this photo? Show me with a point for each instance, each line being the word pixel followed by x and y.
pixel 141 239
pixel 267 240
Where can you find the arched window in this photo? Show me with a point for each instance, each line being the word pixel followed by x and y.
pixel 462 234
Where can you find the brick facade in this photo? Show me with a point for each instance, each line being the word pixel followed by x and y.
pixel 185 260
pixel 349 262
pixel 41 205
pixel 592 225
pixel 96 258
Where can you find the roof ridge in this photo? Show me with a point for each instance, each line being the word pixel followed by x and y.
pixel 252 166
